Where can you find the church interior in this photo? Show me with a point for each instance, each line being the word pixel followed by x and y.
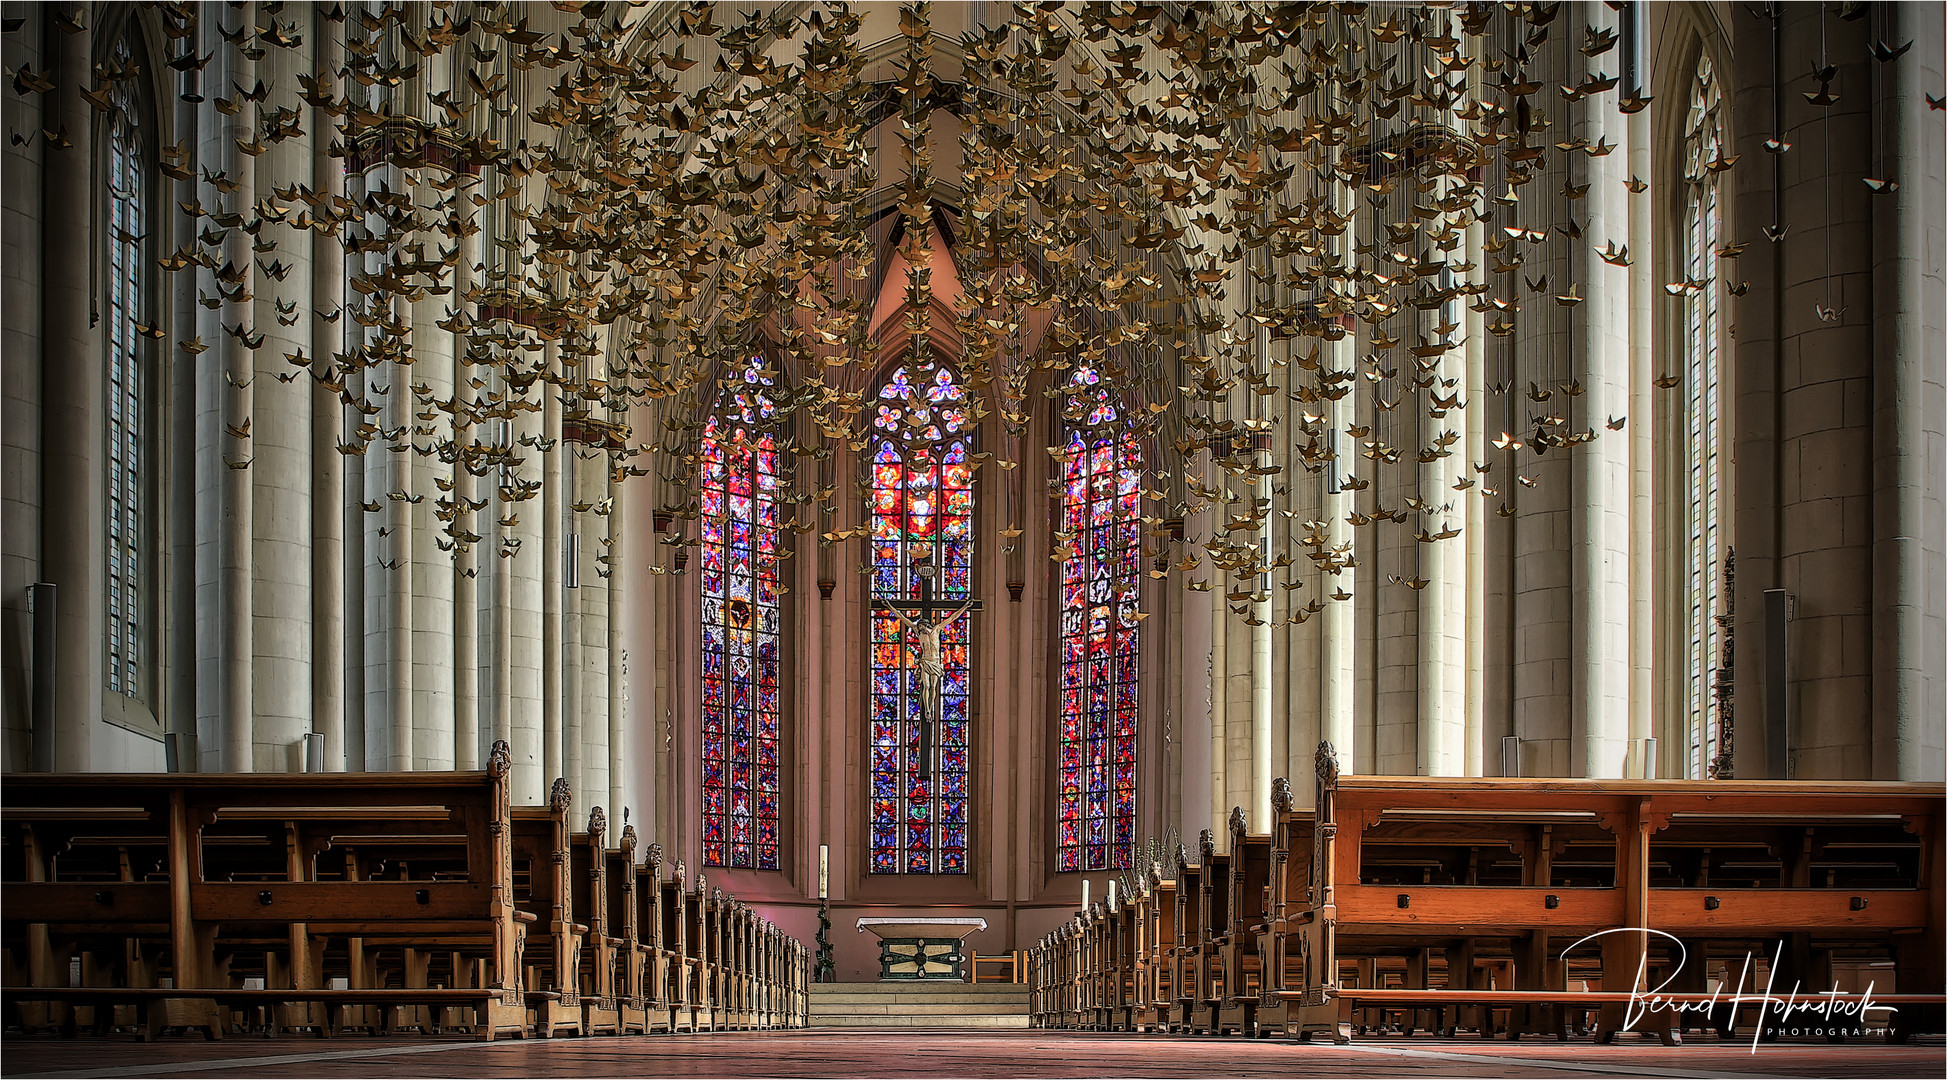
pixel 618 517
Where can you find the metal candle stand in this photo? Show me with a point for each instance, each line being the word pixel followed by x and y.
pixel 825 971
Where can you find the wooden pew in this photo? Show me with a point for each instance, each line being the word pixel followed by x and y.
pixel 1186 980
pixel 1597 856
pixel 1156 991
pixel 600 955
pixel 625 915
pixel 1245 925
pixel 652 924
pixel 680 952
pixel 1287 908
pixel 1212 977
pixel 1119 1003
pixel 239 882
pixel 553 955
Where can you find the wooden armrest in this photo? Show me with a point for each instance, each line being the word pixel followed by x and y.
pixel 525 916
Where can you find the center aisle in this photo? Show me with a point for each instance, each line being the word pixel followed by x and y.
pixel 904 1052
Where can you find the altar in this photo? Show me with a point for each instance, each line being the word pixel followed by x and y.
pixel 922 948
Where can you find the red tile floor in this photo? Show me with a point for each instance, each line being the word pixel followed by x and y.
pixel 897 1053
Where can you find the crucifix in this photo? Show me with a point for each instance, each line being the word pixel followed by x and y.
pixel 928 630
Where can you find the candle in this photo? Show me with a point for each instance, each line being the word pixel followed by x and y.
pixel 824 870
pixel 1084 894
pixel 1112 893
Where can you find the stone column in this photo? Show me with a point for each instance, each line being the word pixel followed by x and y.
pixel 328 466
pixel 280 446
pixel 1338 623
pixel 1197 709
pixel 1601 526
pixel 1639 434
pixel 1907 555
pixel 74 397
pixel 234 374
pixel 1472 515
pixel 552 508
pixel 468 559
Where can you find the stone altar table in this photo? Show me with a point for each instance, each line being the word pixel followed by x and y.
pixel 922 948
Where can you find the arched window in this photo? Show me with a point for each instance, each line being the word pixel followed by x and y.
pixel 740 628
pixel 129 331
pixel 1101 586
pixel 922 512
pixel 1703 542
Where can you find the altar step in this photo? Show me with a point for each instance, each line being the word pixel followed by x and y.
pixel 919 1005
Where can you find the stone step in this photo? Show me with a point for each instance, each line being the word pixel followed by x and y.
pixel 958 997
pixel 931 1022
pixel 919 1004
pixel 916 987
pixel 918 1008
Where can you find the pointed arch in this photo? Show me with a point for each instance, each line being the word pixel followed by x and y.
pixel 922 507
pixel 1099 646
pixel 741 484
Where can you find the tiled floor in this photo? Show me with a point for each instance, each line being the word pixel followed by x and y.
pixel 869 1053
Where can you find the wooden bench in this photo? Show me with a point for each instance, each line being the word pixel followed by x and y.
pixel 1240 945
pixel 601 951
pixel 1637 854
pixel 625 914
pixel 1450 904
pixel 1156 917
pixel 238 882
pixel 552 960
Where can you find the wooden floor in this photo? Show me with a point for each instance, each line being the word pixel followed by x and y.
pixel 888 1053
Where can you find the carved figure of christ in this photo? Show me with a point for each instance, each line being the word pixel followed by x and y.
pixel 927 635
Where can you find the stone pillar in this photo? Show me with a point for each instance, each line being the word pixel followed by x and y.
pixel 74 396
pixel 1909 634
pixel 553 510
pixel 228 738
pixel 328 466
pixel 1338 675
pixel 468 558
pixel 280 446
pixel 1638 433
pixel 1472 516
pixel 1602 480
pixel 1202 747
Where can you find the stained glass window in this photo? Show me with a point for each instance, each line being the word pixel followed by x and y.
pixel 1101 580
pixel 130 475
pixel 740 629
pixel 1703 541
pixel 922 512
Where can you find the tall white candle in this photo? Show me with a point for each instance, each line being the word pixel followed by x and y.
pixel 1111 893
pixel 824 870
pixel 1084 894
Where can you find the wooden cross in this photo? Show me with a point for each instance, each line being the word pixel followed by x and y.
pixel 927 609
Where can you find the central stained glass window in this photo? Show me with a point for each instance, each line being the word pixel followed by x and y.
pixel 922 512
pixel 740 628
pixel 1101 592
